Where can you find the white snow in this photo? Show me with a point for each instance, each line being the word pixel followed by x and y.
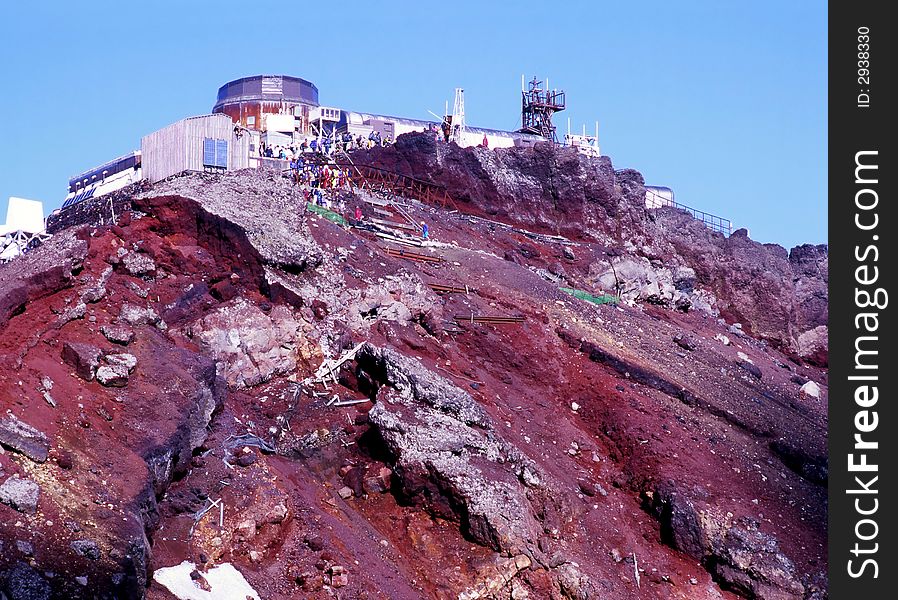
pixel 227 583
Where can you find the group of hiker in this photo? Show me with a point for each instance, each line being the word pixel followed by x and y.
pixel 319 176
pixel 321 182
pixel 325 145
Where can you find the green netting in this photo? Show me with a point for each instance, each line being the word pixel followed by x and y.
pixel 603 299
pixel 327 214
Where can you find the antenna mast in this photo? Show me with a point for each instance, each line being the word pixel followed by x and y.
pixel 537 107
pixel 458 116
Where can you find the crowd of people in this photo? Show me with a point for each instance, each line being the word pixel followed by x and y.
pixel 318 180
pixel 322 180
pixel 325 145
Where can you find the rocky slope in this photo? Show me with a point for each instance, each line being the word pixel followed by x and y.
pixel 653 255
pixel 171 392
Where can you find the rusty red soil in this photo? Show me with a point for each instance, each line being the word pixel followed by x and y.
pixel 600 397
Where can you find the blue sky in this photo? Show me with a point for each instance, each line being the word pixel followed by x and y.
pixel 724 102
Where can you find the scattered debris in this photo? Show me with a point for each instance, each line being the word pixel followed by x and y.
pixel 492 319
pixel 448 289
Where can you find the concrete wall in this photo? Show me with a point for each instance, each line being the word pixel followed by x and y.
pixel 179 147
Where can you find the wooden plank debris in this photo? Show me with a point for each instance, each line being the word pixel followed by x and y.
pixel 440 288
pixel 352 402
pixel 398 240
pixel 391 224
pixel 494 319
pixel 416 256
pixel 329 366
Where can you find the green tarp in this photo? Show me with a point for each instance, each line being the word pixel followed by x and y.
pixel 603 299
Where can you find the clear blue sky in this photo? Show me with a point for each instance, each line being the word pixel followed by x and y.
pixel 724 102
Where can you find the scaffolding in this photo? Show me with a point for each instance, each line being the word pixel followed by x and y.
pixel 458 117
pixel 537 107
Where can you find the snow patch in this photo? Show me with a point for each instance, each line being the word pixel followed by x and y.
pixel 225 582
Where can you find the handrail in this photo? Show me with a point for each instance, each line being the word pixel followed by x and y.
pixel 711 221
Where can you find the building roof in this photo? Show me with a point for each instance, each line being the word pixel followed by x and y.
pixel 276 88
pixel 423 123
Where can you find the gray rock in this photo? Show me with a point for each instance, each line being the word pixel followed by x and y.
pixel 750 367
pixel 86 548
pixel 810 388
pixel 448 454
pixel 136 315
pixel 118 334
pixel 96 291
pixel 409 376
pixel 24 438
pixel 139 263
pixel 685 342
pixel 129 361
pixel 84 358
pixel 139 291
pixel 24 583
pixel 70 314
pixel 113 375
pixel 739 554
pixel 250 346
pixel 20 494
pixel 25 547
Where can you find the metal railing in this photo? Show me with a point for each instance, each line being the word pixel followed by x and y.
pixel 711 221
pixel 375 178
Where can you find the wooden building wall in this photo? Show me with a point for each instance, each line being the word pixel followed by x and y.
pixel 179 147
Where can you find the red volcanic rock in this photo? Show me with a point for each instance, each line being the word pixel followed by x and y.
pixel 23 438
pixel 84 358
pixel 556 456
pixel 776 294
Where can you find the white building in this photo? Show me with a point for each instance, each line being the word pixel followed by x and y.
pixel 23 228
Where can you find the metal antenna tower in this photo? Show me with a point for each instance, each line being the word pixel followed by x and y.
pixel 537 107
pixel 458 116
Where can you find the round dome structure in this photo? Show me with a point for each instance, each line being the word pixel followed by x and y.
pixel 248 100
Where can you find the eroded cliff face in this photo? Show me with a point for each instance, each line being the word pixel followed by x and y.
pixel 173 389
pixel 663 256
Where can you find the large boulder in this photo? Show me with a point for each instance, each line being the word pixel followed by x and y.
pixel 448 455
pixel 84 358
pixel 24 438
pixel 250 345
pixel 20 494
pixel 735 550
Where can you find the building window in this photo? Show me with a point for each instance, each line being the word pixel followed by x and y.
pixel 250 120
pixel 215 154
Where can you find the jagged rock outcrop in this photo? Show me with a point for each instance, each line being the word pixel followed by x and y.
pixel 445 456
pixel 775 295
pixel 250 346
pixel 448 454
pixel 735 550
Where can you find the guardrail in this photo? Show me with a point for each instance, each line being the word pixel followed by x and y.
pixel 712 222
pixel 401 185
